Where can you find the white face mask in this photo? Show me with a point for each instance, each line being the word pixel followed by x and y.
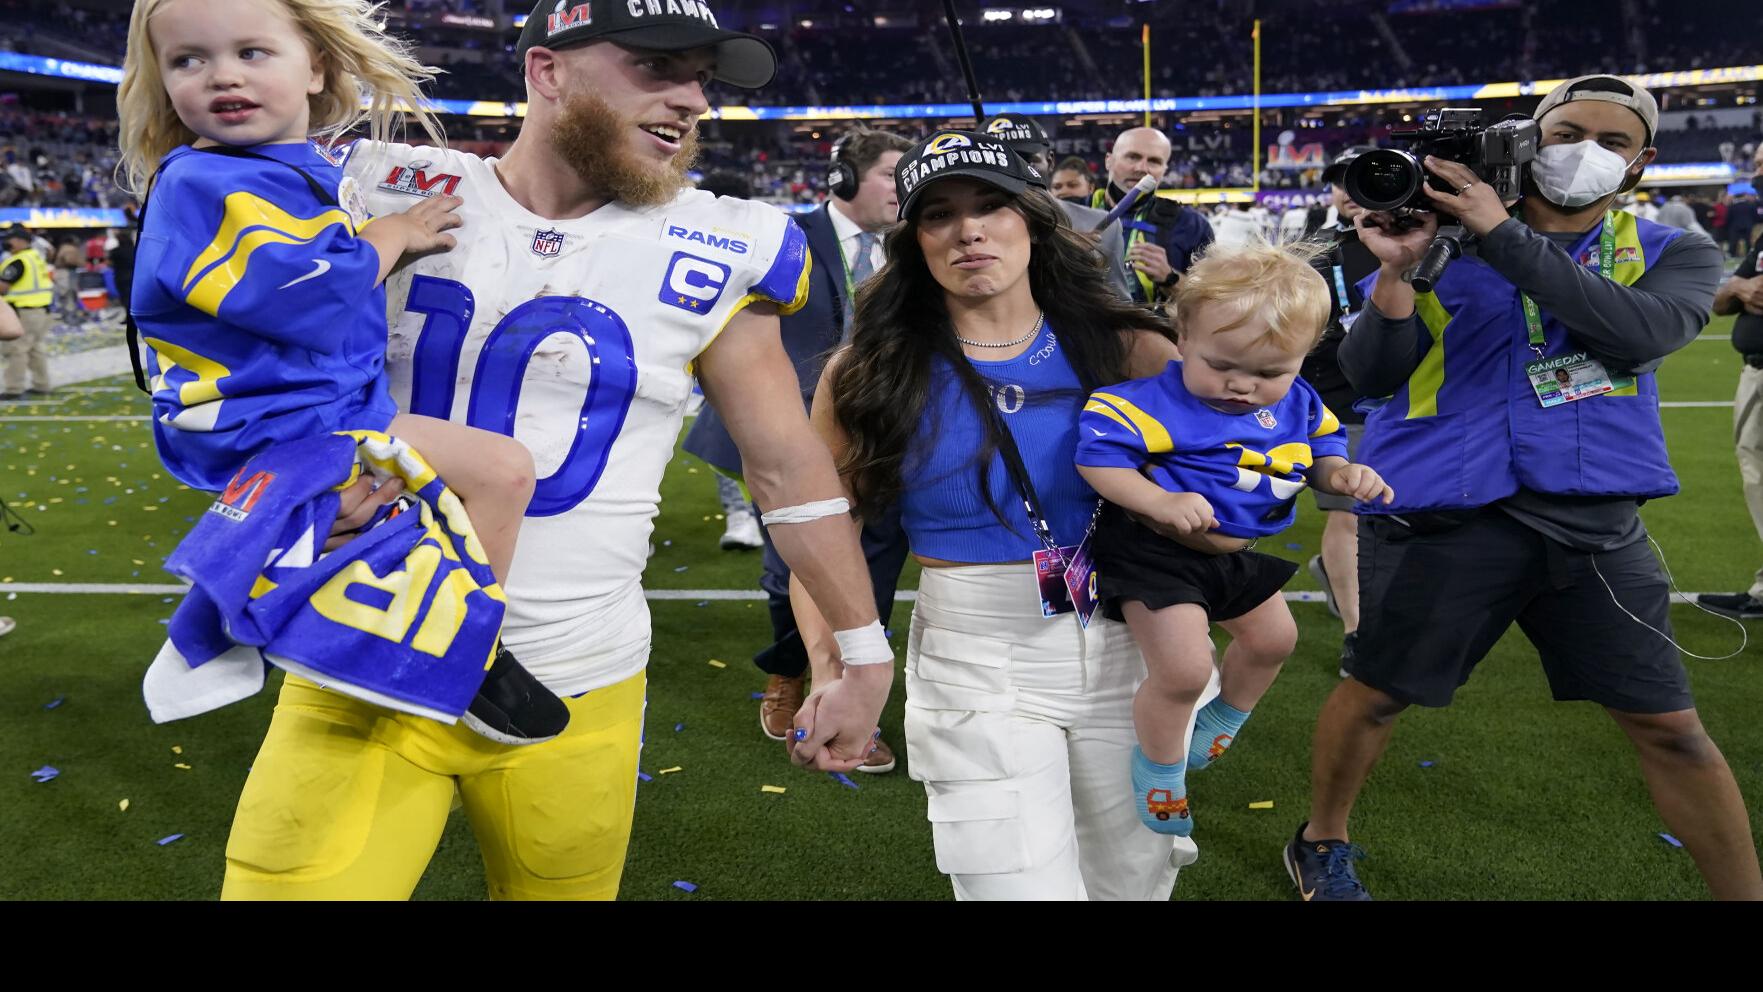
pixel 1577 174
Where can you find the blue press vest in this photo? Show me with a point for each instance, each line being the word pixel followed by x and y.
pixel 1467 429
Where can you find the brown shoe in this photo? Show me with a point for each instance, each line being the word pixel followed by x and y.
pixel 879 762
pixel 777 709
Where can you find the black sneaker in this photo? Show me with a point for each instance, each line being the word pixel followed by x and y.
pixel 1738 605
pixel 1349 651
pixel 1323 869
pixel 1321 573
pixel 514 708
pixel 9 397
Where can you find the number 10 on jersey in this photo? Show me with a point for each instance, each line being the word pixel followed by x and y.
pixel 447 308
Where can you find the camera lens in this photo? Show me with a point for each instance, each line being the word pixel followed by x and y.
pixel 1384 179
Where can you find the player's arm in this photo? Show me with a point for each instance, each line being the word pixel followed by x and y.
pixel 749 379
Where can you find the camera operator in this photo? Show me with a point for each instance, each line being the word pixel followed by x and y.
pixel 1516 499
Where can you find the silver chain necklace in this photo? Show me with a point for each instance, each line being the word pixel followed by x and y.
pixel 1032 331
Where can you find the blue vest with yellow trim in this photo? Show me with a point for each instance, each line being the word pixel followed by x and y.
pixel 1467 429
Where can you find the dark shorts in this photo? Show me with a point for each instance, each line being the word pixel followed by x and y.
pixel 1433 604
pixel 1329 501
pixel 1134 562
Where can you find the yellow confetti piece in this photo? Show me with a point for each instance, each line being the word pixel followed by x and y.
pixel 55 571
pixel 123 806
pixel 717 664
pixel 149 509
pixel 137 561
pixel 181 765
pixel 667 771
pixel 1264 804
pixel 177 749
pixel 772 788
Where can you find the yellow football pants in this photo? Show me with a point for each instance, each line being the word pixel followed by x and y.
pixel 347 800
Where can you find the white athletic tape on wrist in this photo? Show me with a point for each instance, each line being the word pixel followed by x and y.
pixel 865 645
pixel 806 512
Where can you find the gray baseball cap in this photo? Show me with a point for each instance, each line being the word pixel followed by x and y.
pixel 1609 89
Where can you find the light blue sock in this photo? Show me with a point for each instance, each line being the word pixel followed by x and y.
pixel 1160 793
pixel 1214 731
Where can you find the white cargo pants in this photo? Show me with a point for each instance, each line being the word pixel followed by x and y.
pixel 1020 728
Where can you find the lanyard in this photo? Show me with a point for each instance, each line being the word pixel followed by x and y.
pixel 1340 285
pixel 850 288
pixel 1533 318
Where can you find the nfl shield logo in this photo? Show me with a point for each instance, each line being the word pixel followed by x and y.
pixel 1265 419
pixel 548 243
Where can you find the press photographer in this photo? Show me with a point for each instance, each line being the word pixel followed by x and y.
pixel 1517 496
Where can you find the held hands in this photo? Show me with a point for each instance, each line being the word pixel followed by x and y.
pixel 357 505
pixel 1184 513
pixel 1398 249
pixel 835 730
pixel 1361 483
pixel 1750 293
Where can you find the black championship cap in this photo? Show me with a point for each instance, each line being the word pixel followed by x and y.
pixel 1021 132
pixel 663 25
pixel 961 153
pixel 16 231
pixel 1338 168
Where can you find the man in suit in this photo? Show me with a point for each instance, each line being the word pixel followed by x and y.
pixel 1026 138
pixel 845 240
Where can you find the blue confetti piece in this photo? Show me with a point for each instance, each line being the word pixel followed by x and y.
pixel 166 600
pixel 889 634
pixel 57 701
pixel 645 777
pixel 667 544
pixel 678 727
pixel 189 520
pixel 1426 764
pixel 682 568
pixel 1673 841
pixel 687 886
pixel 168 840
pixel 91 551
pixel 843 780
pixel 45 773
pixel 703 602
pixel 1294 547
pixel 166 621
pixel 757 695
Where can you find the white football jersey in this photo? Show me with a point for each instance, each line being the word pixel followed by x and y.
pixel 576 337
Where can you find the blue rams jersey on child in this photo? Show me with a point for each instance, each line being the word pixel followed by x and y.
pixel 1249 466
pixel 259 306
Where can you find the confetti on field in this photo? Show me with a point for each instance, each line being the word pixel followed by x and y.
pixel 1263 804
pixel 57 701
pixel 1294 547
pixel 1673 841
pixel 682 568
pixel 678 727
pixel 686 886
pixel 780 790
pixel 718 664
pixel 123 806
pixel 181 765
pixel 645 777
pixel 756 695
pixel 1426 764
pixel 177 749
pixel 168 840
pixel 843 780
pixel 669 771
pixel 45 773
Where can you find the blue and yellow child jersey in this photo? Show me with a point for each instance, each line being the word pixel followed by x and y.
pixel 1249 466
pixel 260 309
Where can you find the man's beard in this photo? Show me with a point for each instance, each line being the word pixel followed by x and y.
pixel 594 141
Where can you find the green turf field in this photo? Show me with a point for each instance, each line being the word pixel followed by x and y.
pixel 1523 798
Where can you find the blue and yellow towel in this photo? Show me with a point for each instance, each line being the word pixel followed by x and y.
pixel 405 615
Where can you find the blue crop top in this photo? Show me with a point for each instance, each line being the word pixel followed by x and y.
pixel 941 508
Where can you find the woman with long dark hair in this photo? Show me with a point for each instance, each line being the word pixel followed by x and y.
pixel 958 398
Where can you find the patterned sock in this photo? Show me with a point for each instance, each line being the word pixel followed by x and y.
pixel 1160 793
pixel 1214 731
